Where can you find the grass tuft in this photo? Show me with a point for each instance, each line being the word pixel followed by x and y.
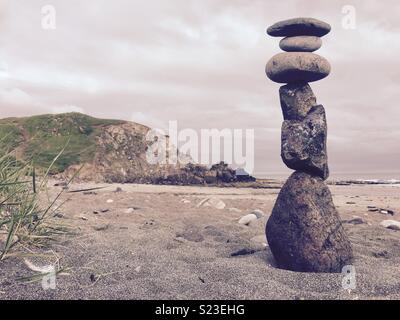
pixel 23 220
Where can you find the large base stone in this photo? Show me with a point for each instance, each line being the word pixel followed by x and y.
pixel 304 231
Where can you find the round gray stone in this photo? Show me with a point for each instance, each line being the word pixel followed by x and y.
pixel 300 44
pixel 299 27
pixel 290 67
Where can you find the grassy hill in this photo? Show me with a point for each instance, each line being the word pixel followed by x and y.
pixel 41 138
pixel 110 150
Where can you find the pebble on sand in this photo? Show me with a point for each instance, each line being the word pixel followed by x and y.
pixel 391 224
pixel 259 213
pixel 243 252
pixel 212 202
pixel 356 220
pixel 261 239
pixel 245 220
pixel 101 227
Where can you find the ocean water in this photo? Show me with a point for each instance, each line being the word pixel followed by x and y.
pixel 341 176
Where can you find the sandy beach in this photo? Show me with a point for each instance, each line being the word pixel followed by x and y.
pixel 164 242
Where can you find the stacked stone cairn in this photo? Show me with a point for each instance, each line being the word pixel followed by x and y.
pixel 304 231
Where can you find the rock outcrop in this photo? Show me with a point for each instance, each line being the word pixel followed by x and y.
pixel 102 150
pixel 304 231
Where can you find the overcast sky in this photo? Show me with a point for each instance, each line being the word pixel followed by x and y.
pixel 202 63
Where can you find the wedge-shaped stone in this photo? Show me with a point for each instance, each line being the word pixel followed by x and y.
pixel 304 231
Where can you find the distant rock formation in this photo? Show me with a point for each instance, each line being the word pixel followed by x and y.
pixel 194 174
pixel 109 150
pixel 304 231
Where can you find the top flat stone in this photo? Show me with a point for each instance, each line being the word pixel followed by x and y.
pixel 299 27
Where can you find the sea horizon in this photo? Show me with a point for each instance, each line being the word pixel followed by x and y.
pixel 338 176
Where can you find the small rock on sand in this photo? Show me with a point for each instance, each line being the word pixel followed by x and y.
pixel 131 210
pixel 192 235
pixel 245 220
pixel 89 193
pixel 381 254
pixel 259 213
pixel 391 224
pixel 386 211
pixel 243 252
pixel 212 202
pixel 261 239
pixel 101 211
pixel 110 201
pixel 380 210
pixel 101 227
pixel 356 220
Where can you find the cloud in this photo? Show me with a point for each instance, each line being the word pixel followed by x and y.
pixel 66 108
pixel 148 120
pixel 202 63
pixel 16 97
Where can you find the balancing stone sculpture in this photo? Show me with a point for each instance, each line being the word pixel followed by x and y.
pixel 304 231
